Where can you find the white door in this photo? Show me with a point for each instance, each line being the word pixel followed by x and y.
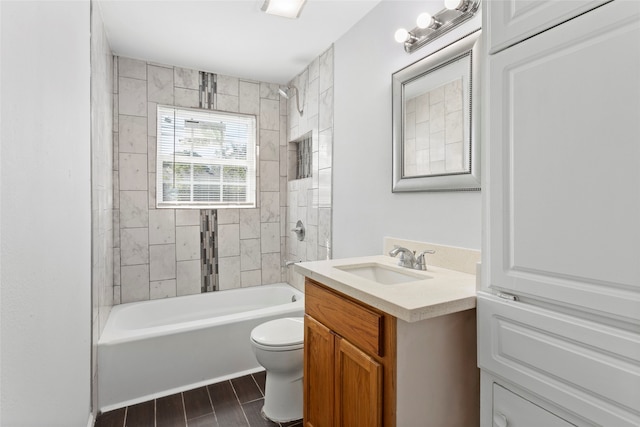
pixel 564 165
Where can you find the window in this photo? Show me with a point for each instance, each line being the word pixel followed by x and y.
pixel 205 159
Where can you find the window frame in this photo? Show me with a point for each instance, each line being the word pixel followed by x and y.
pixel 251 164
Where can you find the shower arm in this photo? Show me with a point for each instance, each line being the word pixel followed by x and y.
pixel 300 110
pixel 286 93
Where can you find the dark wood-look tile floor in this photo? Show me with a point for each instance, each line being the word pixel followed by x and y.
pixel 233 403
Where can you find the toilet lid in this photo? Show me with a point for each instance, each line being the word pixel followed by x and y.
pixel 280 332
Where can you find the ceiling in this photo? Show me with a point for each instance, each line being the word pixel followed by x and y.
pixel 230 37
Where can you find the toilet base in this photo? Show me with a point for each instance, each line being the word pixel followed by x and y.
pixel 282 398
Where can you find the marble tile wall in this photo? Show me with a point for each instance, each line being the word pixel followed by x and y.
pixel 309 199
pixel 157 251
pixel 101 187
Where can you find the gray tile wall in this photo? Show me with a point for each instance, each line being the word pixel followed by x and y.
pixel 309 199
pixel 101 187
pixel 157 251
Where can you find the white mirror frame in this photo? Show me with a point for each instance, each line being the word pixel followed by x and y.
pixel 460 181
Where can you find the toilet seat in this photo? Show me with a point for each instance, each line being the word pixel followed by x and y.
pixel 279 334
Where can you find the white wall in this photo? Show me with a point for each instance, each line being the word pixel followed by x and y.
pixel 46 214
pixel 365 210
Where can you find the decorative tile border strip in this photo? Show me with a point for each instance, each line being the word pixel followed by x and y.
pixel 209 250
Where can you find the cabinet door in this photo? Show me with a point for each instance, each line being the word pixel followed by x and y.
pixel 358 387
pixel 511 21
pixel 511 410
pixel 564 161
pixel 588 368
pixel 318 374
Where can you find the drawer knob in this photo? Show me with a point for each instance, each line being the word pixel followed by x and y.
pixel 500 420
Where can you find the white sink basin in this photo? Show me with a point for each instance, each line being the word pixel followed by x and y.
pixel 383 274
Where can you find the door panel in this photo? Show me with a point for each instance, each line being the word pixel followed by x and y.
pixel 318 374
pixel 565 164
pixel 358 387
pixel 511 21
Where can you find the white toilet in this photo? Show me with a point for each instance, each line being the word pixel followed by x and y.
pixel 278 346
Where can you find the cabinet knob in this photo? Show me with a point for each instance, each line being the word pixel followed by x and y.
pixel 500 420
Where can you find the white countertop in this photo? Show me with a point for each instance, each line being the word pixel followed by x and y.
pixel 441 291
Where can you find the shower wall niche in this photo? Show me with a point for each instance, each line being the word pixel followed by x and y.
pixel 300 164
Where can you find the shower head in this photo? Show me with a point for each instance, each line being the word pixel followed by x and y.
pixel 284 91
pixel 287 91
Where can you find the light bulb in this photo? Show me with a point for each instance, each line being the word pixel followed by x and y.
pixel 401 35
pixel 453 4
pixel 424 20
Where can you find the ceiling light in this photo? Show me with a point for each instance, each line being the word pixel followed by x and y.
pixel 285 8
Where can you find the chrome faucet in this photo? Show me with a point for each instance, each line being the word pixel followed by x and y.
pixel 409 259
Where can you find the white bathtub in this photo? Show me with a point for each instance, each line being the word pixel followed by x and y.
pixel 156 348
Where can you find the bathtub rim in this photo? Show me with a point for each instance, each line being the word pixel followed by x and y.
pixel 113 336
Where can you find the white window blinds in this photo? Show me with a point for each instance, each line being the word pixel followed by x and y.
pixel 205 159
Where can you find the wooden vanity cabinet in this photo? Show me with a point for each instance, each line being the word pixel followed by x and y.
pixel 366 368
pixel 349 361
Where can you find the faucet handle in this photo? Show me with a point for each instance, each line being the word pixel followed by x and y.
pixel 427 251
pixel 421 263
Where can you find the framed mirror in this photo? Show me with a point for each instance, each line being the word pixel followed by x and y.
pixel 435 121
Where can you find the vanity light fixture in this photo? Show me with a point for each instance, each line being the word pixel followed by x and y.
pixel 430 27
pixel 286 8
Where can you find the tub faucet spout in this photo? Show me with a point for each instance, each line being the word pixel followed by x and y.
pixel 288 263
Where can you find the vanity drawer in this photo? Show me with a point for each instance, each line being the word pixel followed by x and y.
pixel 349 319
